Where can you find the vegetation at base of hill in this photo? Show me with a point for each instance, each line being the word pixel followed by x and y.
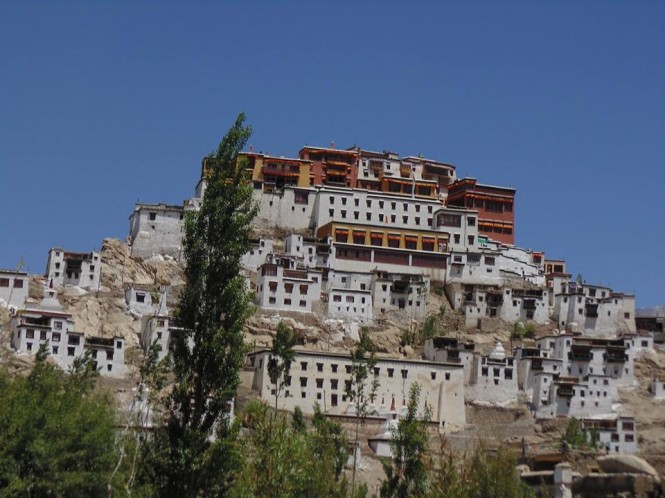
pixel 286 457
pixel 480 474
pixel 57 434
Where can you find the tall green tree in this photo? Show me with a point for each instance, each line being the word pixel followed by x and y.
pixel 208 355
pixel 361 387
pixel 56 432
pixel 281 356
pixel 407 473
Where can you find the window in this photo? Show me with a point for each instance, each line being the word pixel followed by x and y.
pixel 447 375
pixel 287 302
pixel 303 289
pixel 30 334
pixel 319 383
pixel 405 373
pixel 140 297
pixel 109 355
pixel 337 298
pixel 333 400
pixel 55 337
pixel 18 283
pixel 471 239
pixel 303 381
pixel 4 282
pixel 347 368
pixel 334 367
pixel 433 375
pixel 331 213
pixel 303 304
pixel 319 367
pixel 391 371
pixel 42 335
pixel 70 351
pixel 55 349
pixel 288 288
pixel 153 216
pixel 333 384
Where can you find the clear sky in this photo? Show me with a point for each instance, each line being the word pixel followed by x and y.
pixel 106 103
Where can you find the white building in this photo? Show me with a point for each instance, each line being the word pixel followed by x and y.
pixel 280 285
pixel 615 434
pixel 260 249
pixel 156 229
pixel 593 309
pixel 450 350
pixel 13 288
pixel 658 388
pixel 155 329
pixel 510 303
pixel 462 224
pixel 400 292
pixel 318 377
pixel 493 377
pixel 82 269
pixel 146 299
pixel 48 323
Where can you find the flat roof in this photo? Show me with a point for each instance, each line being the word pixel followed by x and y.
pixel 346 356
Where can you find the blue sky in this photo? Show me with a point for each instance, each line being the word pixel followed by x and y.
pixel 103 104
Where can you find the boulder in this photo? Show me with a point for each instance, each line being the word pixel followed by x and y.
pixel 628 464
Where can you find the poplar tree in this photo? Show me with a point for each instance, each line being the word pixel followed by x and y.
pixel 198 447
pixel 281 356
pixel 361 388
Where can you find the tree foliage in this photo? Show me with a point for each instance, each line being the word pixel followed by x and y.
pixel 281 356
pixel 56 432
pixel 406 474
pixel 292 459
pixel 208 355
pixel 480 474
pixel 361 386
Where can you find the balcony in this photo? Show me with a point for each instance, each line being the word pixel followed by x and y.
pixel 591 310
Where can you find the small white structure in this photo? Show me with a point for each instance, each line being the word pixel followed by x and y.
pixel 281 285
pixel 146 299
pixel 380 444
pixel 658 388
pixel 493 377
pixel 156 330
pixel 615 434
pixel 450 350
pixel 13 288
pixel 82 269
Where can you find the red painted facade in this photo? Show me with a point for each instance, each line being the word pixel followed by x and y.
pixel 495 206
pixel 332 167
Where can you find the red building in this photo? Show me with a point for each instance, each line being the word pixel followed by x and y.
pixel 495 205
pixel 333 167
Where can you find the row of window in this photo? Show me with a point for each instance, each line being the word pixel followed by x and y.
pixel 393 205
pixel 381 217
pixel 18 283
pixel 287 302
